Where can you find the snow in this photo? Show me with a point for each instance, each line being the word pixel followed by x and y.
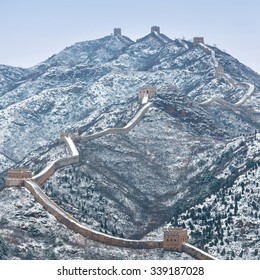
pixel 145 99
pixel 183 44
pixel 93 85
pixel 5 163
pixel 198 250
pixel 74 150
pixel 212 53
pixel 250 91
pixel 70 93
pixel 138 115
pixel 223 102
pixel 219 99
pixel 160 37
pixel 125 40
pixel 45 170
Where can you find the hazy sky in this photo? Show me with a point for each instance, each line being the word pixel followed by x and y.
pixel 33 30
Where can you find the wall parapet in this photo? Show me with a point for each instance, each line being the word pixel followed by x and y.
pixel 73 151
pixel 71 223
pixel 196 252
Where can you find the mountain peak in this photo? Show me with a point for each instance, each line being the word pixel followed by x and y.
pixel 91 52
pixel 155 37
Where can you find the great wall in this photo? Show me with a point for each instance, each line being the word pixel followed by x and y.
pixel 175 239
pixel 219 73
pixel 32 184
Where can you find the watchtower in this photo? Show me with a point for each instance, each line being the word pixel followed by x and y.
pixel 16 177
pixel 155 29
pixel 219 70
pixel 117 31
pixel 63 135
pixel 198 40
pixel 174 237
pixel 148 90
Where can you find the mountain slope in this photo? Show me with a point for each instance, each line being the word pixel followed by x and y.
pixel 128 185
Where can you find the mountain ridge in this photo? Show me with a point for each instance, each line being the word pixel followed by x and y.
pixel 166 163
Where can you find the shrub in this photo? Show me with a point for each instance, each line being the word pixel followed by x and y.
pixel 2 183
pixel 3 249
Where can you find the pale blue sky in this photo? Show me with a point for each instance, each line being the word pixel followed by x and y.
pixel 31 31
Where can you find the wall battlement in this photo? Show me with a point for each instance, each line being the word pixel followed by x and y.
pixel 196 252
pixel 116 130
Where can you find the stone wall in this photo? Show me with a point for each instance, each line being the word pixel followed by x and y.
pixel 132 123
pixel 63 216
pixel 48 171
pixel 71 223
pixel 206 49
pixel 196 252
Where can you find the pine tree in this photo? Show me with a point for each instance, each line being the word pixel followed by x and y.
pixel 236 208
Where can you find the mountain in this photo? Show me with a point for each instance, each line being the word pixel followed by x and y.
pixel 197 141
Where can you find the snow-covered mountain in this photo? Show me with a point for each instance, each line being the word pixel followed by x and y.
pixel 177 157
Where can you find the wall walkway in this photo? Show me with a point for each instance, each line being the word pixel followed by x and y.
pixel 121 130
pixel 73 158
pixel 227 77
pixel 71 223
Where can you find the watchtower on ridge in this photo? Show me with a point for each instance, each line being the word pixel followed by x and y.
pixel 198 40
pixel 16 177
pixel 155 29
pixel 148 90
pixel 219 70
pixel 117 31
pixel 64 134
pixel 174 237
